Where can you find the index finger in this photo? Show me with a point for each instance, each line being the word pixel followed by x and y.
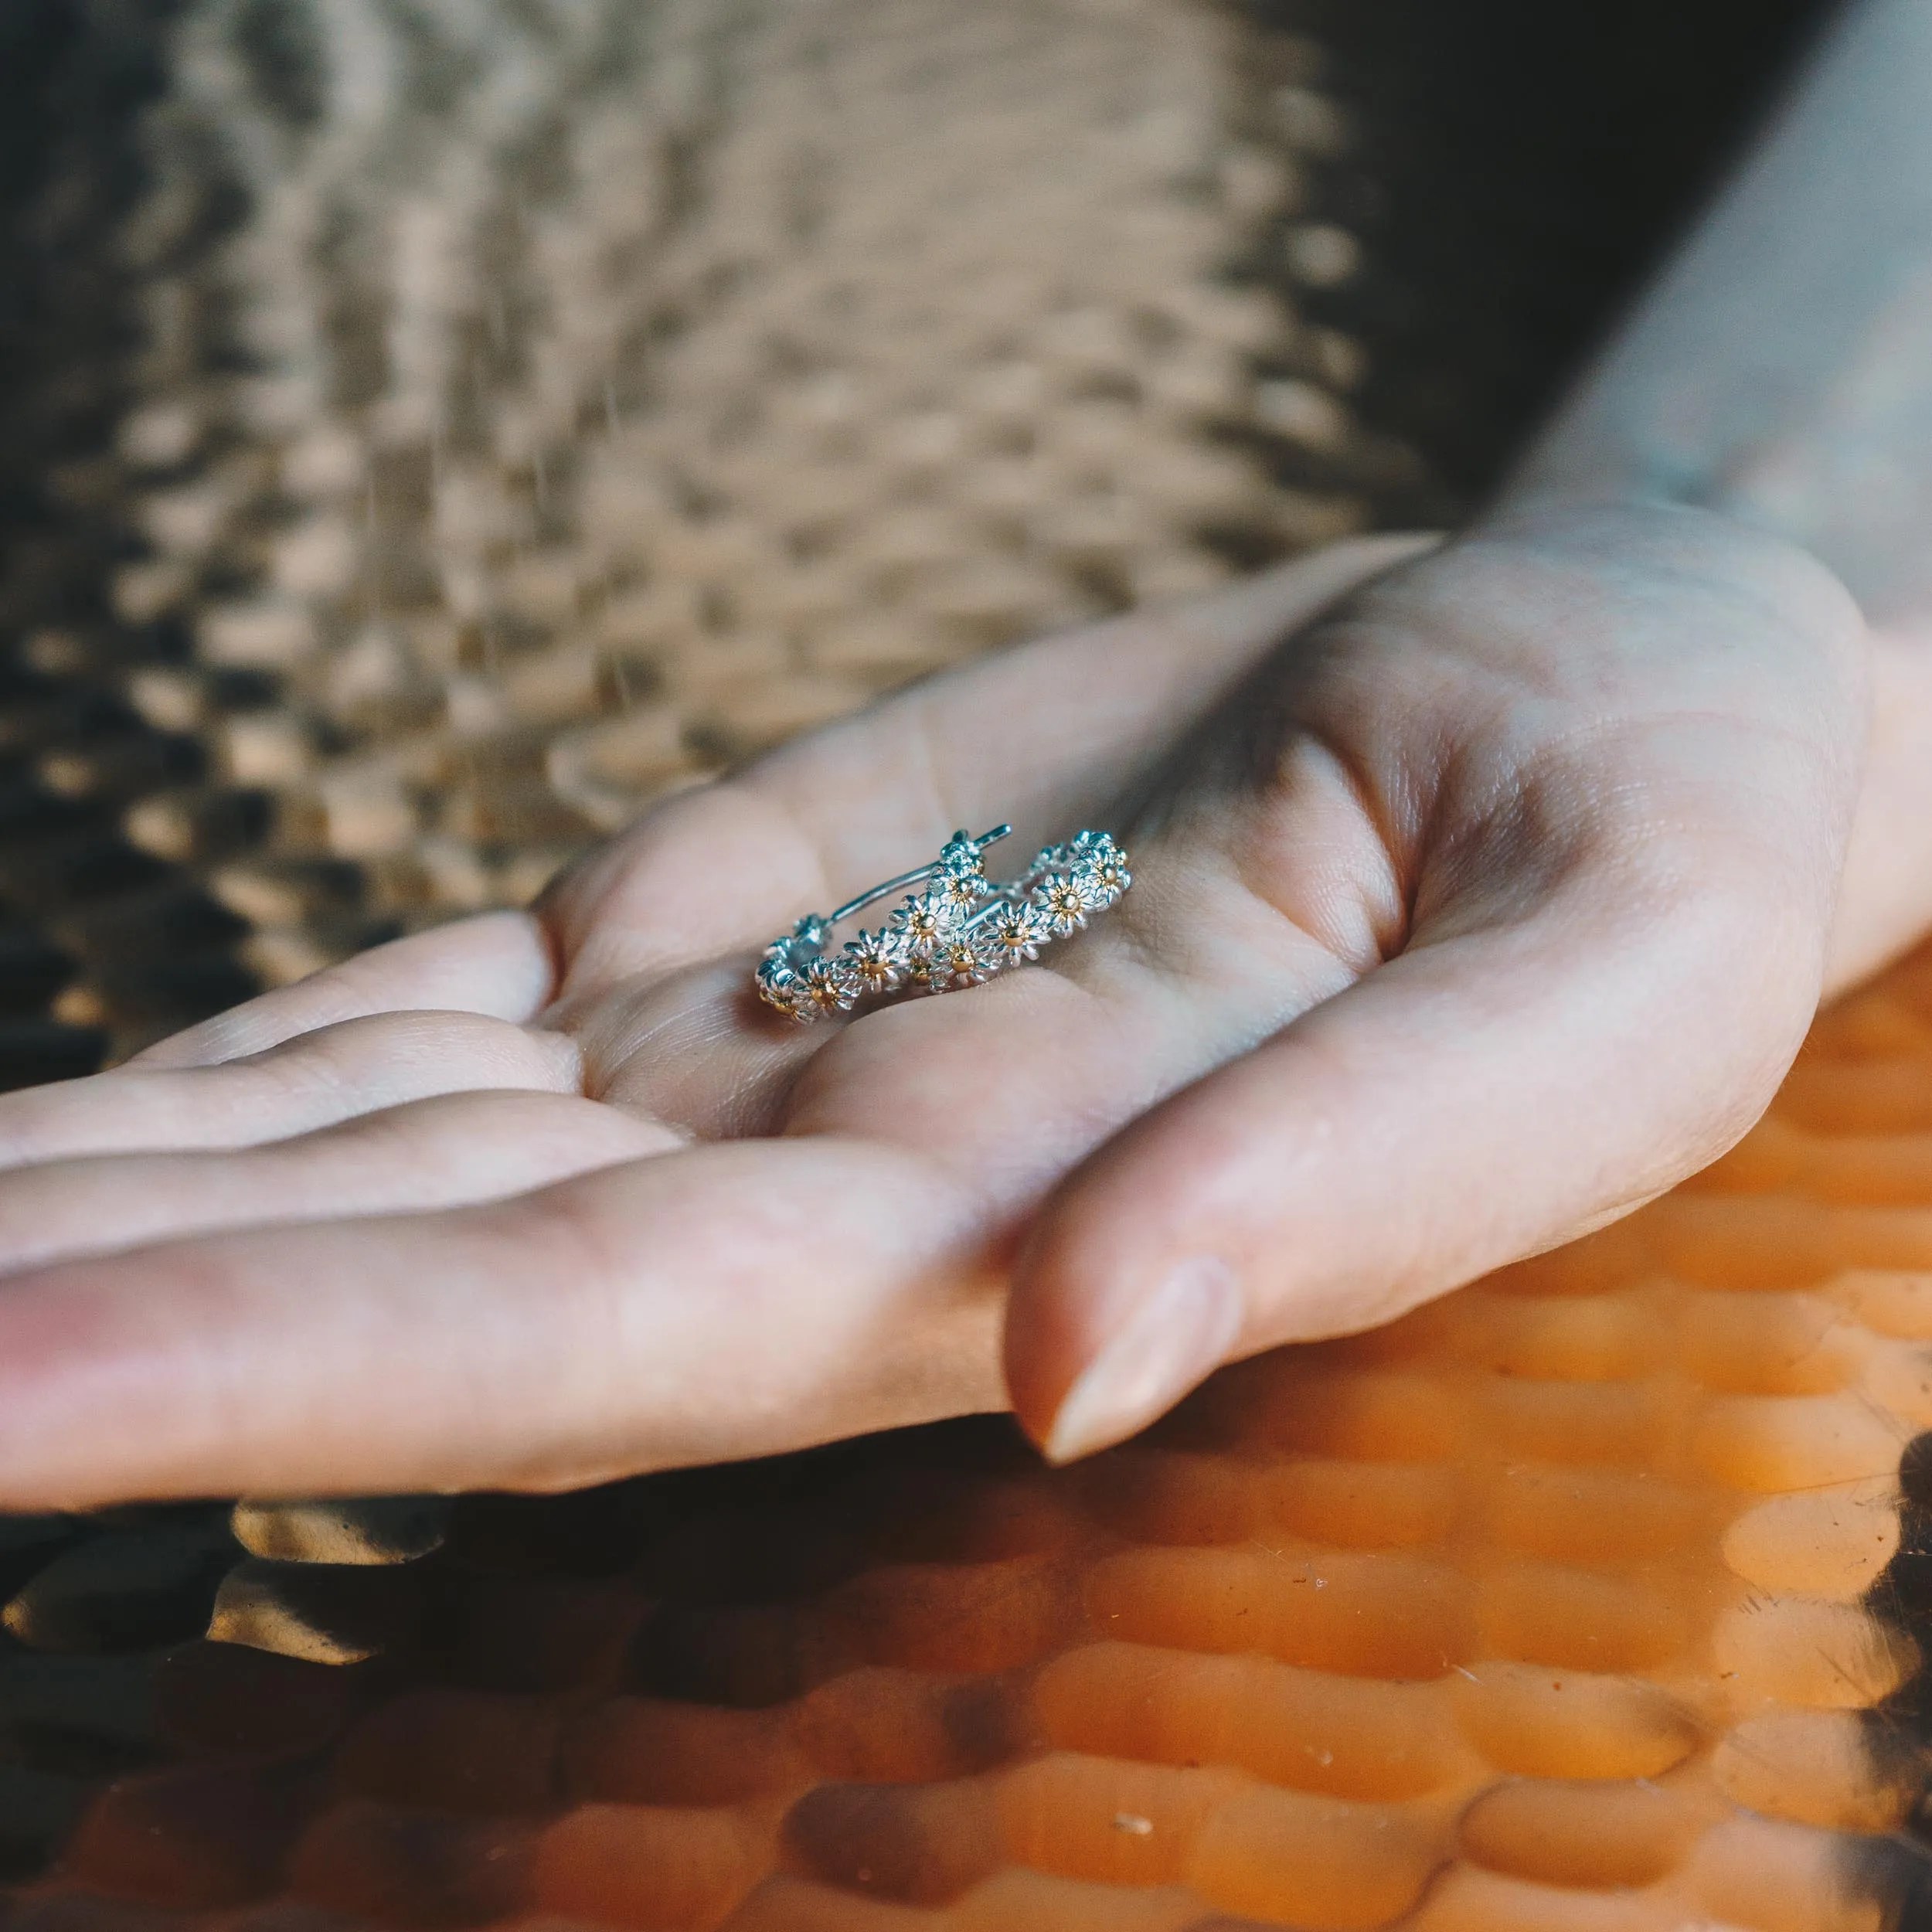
pixel 550 1341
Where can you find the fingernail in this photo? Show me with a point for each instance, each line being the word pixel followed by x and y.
pixel 1177 1335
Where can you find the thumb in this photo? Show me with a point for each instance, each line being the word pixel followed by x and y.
pixel 1574 1024
pixel 1467 1103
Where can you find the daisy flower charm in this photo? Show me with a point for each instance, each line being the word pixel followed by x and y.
pixel 955 930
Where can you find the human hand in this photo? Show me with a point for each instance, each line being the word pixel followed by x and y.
pixel 1466 917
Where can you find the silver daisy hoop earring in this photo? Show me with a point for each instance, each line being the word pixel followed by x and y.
pixel 956 928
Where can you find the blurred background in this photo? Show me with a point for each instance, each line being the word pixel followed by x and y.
pixel 431 429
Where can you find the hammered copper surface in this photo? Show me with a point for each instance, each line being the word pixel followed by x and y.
pixel 431 431
pixel 435 429
pixel 533 410
pixel 1587 1598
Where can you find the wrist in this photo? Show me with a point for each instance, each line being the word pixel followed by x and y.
pixel 1647 529
pixel 1885 899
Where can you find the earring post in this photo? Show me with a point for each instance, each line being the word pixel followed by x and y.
pixel 906 879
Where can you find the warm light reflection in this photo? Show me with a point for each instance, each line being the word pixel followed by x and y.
pixel 1581 1593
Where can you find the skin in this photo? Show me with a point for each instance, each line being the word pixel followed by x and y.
pixel 1780 372
pixel 1519 859
pixel 1484 890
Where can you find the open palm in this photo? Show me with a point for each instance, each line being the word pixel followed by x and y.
pixel 1480 892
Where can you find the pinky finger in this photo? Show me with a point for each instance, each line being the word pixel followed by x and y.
pixel 497 965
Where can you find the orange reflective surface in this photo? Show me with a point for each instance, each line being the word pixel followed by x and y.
pixel 1590 1597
